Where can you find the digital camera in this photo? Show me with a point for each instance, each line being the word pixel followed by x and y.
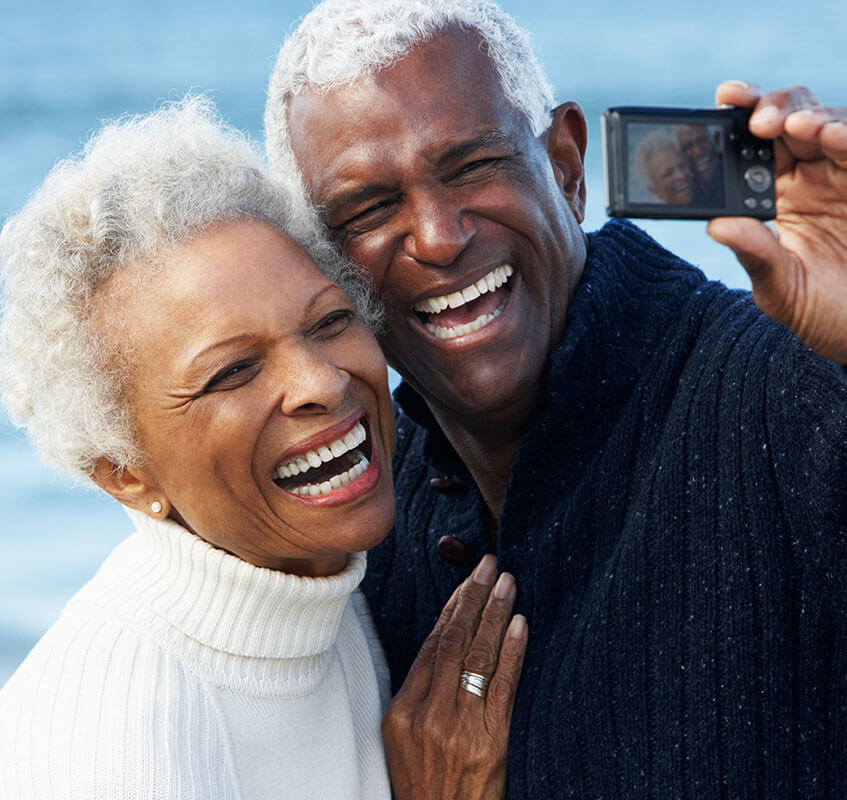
pixel 678 163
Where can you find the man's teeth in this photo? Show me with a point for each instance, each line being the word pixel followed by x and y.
pixel 440 332
pixel 487 283
pixel 323 455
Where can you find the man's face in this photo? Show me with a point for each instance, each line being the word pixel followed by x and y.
pixel 698 149
pixel 429 179
pixel 670 177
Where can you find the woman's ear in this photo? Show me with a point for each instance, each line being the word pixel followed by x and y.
pixel 566 140
pixel 131 487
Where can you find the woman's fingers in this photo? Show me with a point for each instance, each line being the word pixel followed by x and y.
pixel 504 682
pixel 467 600
pixel 443 740
pixel 482 656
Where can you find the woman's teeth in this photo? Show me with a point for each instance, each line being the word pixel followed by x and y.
pixel 325 454
pixel 335 482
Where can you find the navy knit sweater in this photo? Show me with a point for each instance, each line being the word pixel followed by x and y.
pixel 676 523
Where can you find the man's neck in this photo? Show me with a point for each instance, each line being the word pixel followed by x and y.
pixel 488 448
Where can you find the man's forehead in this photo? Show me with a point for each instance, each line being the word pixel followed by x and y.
pixel 452 62
pixel 431 105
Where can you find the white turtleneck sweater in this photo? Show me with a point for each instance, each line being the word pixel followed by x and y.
pixel 180 672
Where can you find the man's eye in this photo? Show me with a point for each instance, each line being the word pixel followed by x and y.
pixel 232 377
pixel 365 220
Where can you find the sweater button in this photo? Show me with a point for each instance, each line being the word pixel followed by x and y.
pixel 445 485
pixel 452 550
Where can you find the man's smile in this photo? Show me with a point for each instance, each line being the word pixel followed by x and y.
pixel 469 309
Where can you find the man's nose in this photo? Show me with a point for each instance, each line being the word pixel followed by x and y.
pixel 438 230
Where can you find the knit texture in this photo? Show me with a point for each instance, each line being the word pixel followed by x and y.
pixel 675 521
pixel 181 671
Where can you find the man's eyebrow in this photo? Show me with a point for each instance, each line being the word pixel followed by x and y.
pixel 354 197
pixel 335 199
pixel 460 150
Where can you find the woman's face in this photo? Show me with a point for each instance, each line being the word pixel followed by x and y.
pixel 261 401
pixel 671 178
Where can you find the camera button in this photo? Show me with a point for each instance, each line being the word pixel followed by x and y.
pixel 767 203
pixel 758 178
pixel 765 154
pixel 748 152
pixel 751 202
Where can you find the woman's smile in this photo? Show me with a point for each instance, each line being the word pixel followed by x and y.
pixel 261 401
pixel 337 466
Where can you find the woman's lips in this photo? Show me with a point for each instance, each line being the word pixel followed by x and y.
pixel 330 468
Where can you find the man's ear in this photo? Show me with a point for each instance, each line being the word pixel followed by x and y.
pixel 131 487
pixel 566 140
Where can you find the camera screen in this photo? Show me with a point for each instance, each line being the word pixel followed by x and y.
pixel 675 164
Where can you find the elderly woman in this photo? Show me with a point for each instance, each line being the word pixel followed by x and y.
pixel 169 337
pixel 661 168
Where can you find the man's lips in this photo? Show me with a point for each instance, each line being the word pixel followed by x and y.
pixel 466 310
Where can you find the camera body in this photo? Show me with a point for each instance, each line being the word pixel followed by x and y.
pixel 680 163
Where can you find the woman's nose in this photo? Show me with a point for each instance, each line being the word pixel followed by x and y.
pixel 314 386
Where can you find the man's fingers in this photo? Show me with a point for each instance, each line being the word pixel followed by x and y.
pixel 737 93
pixel 753 243
pixel 771 269
pixel 772 109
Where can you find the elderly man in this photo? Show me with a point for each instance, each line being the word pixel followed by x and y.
pixel 699 148
pixel 661 466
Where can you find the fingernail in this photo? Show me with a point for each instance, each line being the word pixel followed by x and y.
pixel 485 571
pixel 766 115
pixel 503 587
pixel 743 84
pixel 517 627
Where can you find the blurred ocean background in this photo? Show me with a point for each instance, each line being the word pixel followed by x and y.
pixel 66 66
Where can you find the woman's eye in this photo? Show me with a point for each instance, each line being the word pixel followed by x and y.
pixel 480 163
pixel 231 377
pixel 334 323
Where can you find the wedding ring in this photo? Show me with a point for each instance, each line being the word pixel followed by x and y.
pixel 474 683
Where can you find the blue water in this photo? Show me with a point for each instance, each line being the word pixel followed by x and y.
pixel 64 66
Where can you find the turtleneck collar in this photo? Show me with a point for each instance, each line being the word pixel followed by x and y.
pixel 224 603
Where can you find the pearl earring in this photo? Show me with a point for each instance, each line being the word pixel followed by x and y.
pixel 155 506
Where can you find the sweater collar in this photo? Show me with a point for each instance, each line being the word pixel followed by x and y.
pixel 227 604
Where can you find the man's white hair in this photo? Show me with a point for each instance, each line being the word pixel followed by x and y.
pixel 339 41
pixel 141 185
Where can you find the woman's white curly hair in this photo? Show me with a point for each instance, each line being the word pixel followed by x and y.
pixel 341 40
pixel 140 185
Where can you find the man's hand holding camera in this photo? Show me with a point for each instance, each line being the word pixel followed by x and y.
pixel 799 275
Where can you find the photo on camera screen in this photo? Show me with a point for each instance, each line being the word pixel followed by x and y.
pixel 676 164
